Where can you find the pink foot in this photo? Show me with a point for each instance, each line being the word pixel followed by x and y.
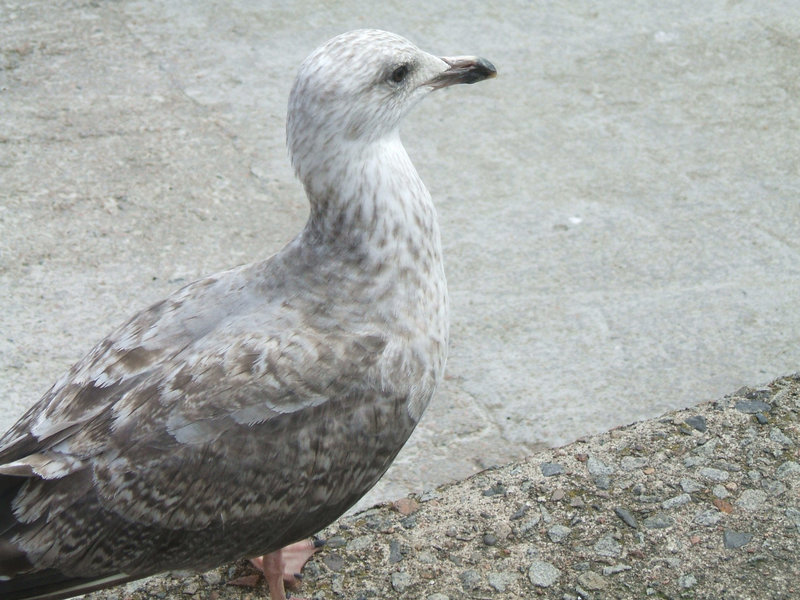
pixel 283 566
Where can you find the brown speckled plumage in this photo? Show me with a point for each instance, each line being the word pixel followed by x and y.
pixel 253 407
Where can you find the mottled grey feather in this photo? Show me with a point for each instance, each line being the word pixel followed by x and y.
pixel 252 407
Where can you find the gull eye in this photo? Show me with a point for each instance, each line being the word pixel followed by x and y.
pixel 399 74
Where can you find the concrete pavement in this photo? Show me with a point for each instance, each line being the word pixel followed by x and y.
pixel 620 208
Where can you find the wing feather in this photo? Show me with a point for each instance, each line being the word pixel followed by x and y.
pixel 210 411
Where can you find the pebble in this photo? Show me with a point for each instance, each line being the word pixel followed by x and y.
pixel 405 506
pixel 691 485
pixel 519 513
pixel 720 491
pixel 191 588
pixel 557 533
pixel 753 393
pixel 676 501
pixel 427 496
pixel 793 515
pixel 752 407
pixel 529 524
pixel 337 584
pixel 673 562
pixel 735 539
pixel 608 546
pixel 714 474
pixel 377 521
pixel 400 581
pixel 687 581
pixel 592 581
pixel 502 531
pixel 550 469
pixel 362 542
pixel 708 449
pixel 438 596
pixel 490 539
pixel 596 466
pixel 626 517
pixel 395 555
pixel 543 574
pixel 773 487
pixel 614 569
pixel 632 463
pixel 470 579
pixel 787 469
pixel 495 490
pixel 776 435
pixel 336 541
pixel 658 521
pixel 697 422
pixel 723 505
pixel 728 466
pixel 501 581
pixel 751 499
pixel 409 522
pixel 333 561
pixel 312 569
pixel 602 481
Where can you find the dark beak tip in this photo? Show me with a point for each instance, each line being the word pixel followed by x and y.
pixel 486 68
pixel 482 69
pixel 464 69
pixel 477 69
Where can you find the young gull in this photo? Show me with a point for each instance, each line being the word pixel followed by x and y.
pixel 253 407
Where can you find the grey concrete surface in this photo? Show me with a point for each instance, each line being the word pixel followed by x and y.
pixel 620 209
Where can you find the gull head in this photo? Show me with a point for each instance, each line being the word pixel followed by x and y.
pixel 354 90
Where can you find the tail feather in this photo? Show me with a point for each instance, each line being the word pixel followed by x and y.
pixel 16 580
pixel 53 585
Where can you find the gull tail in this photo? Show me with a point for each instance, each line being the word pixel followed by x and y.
pixel 53 585
pixel 18 579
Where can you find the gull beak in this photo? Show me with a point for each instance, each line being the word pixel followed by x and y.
pixel 463 69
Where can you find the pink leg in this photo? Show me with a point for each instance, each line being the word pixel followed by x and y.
pixel 284 566
pixel 272 565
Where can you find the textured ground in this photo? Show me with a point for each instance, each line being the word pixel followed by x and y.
pixel 620 214
pixel 619 208
pixel 702 503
